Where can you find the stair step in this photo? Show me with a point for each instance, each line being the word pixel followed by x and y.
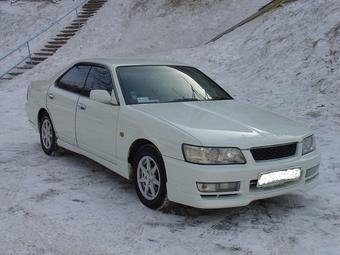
pixel 52 46
pixel 61 38
pixel 49 50
pixel 57 42
pixel 66 34
pixel 90 9
pixel 81 20
pixel 6 78
pixel 75 22
pixel 82 14
pixel 41 58
pixel 25 67
pixel 74 26
pixel 88 12
pixel 93 6
pixel 97 1
pixel 43 53
pixel 69 31
pixel 85 15
pixel 34 62
pixel 94 3
pixel 15 73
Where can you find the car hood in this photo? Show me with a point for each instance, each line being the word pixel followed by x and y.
pixel 227 123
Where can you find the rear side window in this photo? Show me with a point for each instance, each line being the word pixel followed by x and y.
pixel 74 79
pixel 99 79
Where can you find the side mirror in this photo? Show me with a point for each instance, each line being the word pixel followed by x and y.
pixel 101 96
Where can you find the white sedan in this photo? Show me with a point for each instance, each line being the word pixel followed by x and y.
pixel 173 131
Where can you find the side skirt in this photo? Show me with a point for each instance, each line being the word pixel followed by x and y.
pixel 99 160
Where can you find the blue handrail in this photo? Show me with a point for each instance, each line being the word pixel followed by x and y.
pixel 27 42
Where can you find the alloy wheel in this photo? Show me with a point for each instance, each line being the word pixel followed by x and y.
pixel 47 133
pixel 148 177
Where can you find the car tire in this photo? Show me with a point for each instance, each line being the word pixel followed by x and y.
pixel 150 177
pixel 48 138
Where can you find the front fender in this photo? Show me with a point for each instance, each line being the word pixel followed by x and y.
pixel 136 125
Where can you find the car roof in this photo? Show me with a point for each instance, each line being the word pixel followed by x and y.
pixel 128 61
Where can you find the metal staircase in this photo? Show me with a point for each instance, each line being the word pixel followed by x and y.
pixel 83 12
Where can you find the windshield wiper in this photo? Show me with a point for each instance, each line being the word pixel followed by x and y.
pixel 219 98
pixel 183 100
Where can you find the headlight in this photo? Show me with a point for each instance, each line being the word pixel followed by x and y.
pixel 212 155
pixel 308 144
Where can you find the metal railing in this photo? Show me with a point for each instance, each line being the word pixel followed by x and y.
pixel 266 8
pixel 27 43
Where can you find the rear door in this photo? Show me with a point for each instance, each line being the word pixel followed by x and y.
pixel 96 123
pixel 62 101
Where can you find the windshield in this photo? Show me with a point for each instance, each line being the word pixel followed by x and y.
pixel 165 84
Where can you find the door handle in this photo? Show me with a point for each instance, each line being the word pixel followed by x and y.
pixel 81 106
pixel 50 95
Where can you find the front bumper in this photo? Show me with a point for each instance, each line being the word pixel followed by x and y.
pixel 182 177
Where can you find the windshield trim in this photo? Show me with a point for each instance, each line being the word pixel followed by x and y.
pixel 170 102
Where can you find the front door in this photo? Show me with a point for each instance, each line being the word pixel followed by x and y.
pixel 96 123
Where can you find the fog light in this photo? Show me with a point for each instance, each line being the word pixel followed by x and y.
pixel 312 171
pixel 218 187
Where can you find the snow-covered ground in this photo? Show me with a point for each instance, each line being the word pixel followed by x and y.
pixel 286 61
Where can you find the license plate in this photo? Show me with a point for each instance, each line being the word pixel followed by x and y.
pixel 278 177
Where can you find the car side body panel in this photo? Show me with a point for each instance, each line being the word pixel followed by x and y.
pixel 36 100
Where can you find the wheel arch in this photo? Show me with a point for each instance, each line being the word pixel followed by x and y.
pixel 41 113
pixel 134 147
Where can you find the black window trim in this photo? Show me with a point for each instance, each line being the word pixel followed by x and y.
pixel 90 64
pixel 171 65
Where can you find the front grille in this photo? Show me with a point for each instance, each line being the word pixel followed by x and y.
pixel 274 152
